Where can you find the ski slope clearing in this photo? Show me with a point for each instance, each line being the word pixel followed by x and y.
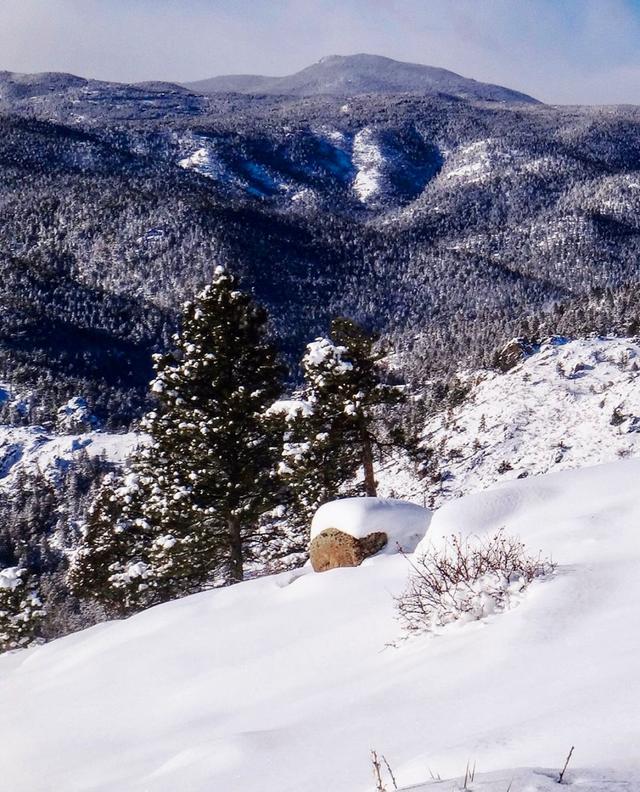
pixel 285 683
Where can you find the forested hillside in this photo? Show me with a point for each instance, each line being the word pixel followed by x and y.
pixel 441 222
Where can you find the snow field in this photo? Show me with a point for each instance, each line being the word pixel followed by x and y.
pixel 286 683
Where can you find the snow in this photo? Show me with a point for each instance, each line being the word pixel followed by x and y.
pixel 205 162
pixel 369 162
pixel 198 161
pixel 553 411
pixel 471 162
pixel 538 780
pixel 75 416
pixel 132 572
pixel 11 578
pixel 305 197
pixel 403 522
pixel 290 409
pixel 253 177
pixel 483 160
pixel 33 447
pixel 285 683
pixel 322 352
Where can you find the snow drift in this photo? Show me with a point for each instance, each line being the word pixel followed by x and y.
pixel 285 683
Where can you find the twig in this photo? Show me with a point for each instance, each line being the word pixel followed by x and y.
pixel 564 769
pixel 390 771
pixel 380 787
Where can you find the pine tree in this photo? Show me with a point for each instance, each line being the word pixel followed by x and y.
pixel 193 496
pixel 21 609
pixel 344 420
pixel 111 563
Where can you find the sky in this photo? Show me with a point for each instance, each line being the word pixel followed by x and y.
pixel 561 51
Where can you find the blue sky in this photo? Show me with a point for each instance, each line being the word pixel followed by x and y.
pixel 564 51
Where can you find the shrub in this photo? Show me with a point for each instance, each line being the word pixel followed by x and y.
pixel 466 580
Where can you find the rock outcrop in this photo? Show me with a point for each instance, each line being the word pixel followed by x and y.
pixel 517 350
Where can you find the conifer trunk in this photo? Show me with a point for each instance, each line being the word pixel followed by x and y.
pixel 236 566
pixel 367 464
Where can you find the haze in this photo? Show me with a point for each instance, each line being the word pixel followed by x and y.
pixel 573 51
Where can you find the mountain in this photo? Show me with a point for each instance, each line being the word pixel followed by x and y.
pixel 76 100
pixel 353 75
pixel 286 683
pixel 446 224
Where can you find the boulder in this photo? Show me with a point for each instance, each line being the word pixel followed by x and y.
pixel 333 548
pixel 517 350
pixel 344 532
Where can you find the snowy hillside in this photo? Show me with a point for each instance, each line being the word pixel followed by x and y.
pixel 32 447
pixel 25 449
pixel 353 75
pixel 431 216
pixel 568 405
pixel 285 683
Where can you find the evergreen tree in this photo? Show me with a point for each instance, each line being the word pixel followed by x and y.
pixel 111 562
pixel 342 421
pixel 188 508
pixel 21 609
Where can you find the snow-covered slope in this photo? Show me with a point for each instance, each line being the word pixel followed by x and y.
pixel 385 172
pixel 483 160
pixel 368 160
pixel 285 683
pixel 30 448
pixel 570 404
pixel 350 75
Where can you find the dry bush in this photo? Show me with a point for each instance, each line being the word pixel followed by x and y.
pixel 469 578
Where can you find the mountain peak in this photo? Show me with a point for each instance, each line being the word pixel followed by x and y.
pixel 362 73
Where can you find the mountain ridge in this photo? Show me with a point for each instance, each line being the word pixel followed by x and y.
pixel 436 221
pixel 350 75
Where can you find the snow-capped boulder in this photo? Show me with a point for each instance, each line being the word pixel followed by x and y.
pixel 345 532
